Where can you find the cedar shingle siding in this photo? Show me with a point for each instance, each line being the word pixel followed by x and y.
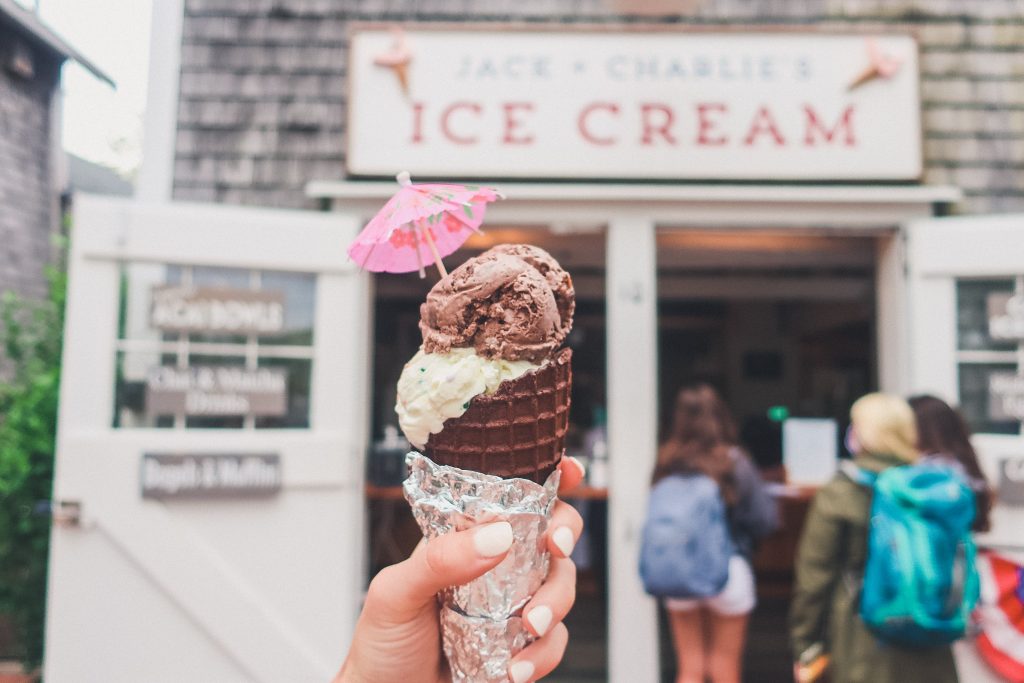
pixel 27 198
pixel 262 101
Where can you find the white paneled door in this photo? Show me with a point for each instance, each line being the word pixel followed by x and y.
pixel 213 417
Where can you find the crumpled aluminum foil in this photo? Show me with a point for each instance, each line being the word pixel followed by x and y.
pixel 481 623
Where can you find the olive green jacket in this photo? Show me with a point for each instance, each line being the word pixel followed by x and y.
pixel 825 608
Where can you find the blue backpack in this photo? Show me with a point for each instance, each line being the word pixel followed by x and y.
pixel 686 544
pixel 920 580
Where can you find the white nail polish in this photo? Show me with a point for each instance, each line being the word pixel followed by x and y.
pixel 493 540
pixel 521 671
pixel 579 466
pixel 540 619
pixel 562 537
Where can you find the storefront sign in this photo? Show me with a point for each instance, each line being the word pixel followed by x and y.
pixel 1006 316
pixel 1011 481
pixel 1006 396
pixel 221 391
pixel 216 311
pixel 634 105
pixel 209 476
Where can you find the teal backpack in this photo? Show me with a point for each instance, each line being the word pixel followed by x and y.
pixel 920 580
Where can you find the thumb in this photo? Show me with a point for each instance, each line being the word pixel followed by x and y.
pixel 453 559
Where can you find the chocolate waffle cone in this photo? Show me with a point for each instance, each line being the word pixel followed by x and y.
pixel 518 431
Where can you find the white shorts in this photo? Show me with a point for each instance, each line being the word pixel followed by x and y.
pixel 738 597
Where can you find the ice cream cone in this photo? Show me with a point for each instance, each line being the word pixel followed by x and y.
pixel 868 74
pixel 519 431
pixel 402 73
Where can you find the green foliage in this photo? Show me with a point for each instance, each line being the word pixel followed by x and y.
pixel 31 334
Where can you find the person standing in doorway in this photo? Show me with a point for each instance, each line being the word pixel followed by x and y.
pixel 825 619
pixel 943 437
pixel 709 634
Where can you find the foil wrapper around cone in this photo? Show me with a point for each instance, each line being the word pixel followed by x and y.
pixel 481 625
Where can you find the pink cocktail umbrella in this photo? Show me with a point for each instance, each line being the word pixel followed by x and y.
pixel 421 223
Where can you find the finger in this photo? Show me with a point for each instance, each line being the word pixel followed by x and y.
pixel 572 474
pixel 553 599
pixel 450 560
pixel 564 529
pixel 540 657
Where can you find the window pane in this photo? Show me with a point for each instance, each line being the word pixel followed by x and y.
pixel 180 395
pixel 972 314
pixel 974 397
pixel 132 368
pixel 299 375
pixel 219 278
pixel 299 290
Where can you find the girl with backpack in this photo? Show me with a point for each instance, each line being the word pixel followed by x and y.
pixel 825 618
pixel 701 456
pixel 943 437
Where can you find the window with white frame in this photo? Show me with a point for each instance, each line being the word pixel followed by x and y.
pixel 990 353
pixel 211 347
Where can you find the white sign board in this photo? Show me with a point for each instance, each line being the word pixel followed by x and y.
pixel 1006 396
pixel 209 475
pixel 633 105
pixel 1006 316
pixel 810 450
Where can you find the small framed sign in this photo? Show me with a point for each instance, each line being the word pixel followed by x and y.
pixel 1011 481
pixel 208 476
pixel 1006 396
pixel 211 310
pixel 1005 316
pixel 220 391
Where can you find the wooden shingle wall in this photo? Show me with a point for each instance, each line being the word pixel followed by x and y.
pixel 27 195
pixel 262 98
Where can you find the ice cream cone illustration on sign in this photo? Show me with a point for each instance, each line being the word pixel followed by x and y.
pixel 397 58
pixel 880 65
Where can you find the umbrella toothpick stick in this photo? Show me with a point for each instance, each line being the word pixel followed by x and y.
pixel 433 250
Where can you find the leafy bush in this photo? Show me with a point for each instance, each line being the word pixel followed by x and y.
pixel 28 425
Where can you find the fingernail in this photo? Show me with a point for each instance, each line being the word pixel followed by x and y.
pixel 579 466
pixel 540 619
pixel 562 537
pixel 521 671
pixel 493 540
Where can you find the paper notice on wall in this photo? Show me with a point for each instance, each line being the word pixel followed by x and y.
pixel 810 450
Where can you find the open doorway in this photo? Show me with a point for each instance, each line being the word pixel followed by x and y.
pixel 781 323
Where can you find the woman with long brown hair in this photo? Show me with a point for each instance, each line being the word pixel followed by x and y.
pixel 943 435
pixel 709 634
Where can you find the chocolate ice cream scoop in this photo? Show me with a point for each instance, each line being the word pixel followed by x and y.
pixel 513 302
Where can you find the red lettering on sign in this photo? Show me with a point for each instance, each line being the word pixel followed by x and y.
pixel 417 122
pixel 581 122
pixel 662 127
pixel 446 127
pixel 814 125
pixel 513 123
pixel 763 122
pixel 706 125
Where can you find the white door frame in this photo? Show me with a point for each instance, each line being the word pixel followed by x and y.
pixel 632 214
pixel 261 635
